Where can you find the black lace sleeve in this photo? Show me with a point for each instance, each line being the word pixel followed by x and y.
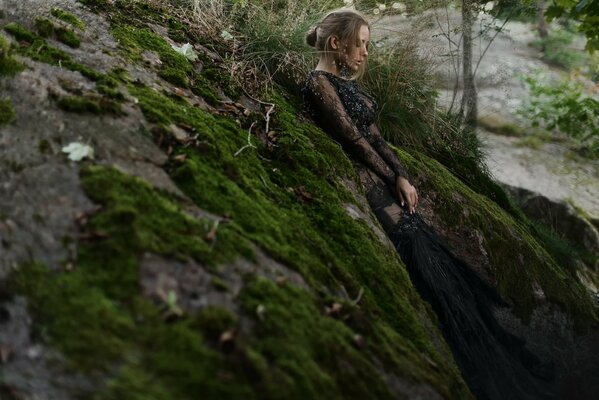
pixel 328 110
pixel 380 145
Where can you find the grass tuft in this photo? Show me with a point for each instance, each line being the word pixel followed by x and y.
pixel 7 112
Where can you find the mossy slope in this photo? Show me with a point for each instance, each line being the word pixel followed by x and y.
pixel 285 197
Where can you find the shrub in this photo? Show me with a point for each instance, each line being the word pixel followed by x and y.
pixel 558 50
pixel 564 106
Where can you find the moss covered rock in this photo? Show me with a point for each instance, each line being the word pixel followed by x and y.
pixel 199 253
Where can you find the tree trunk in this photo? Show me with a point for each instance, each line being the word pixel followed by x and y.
pixel 541 24
pixel 468 107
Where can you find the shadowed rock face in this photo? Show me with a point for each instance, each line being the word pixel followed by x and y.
pixel 168 266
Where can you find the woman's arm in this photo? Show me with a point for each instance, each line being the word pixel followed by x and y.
pixel 381 146
pixel 405 191
pixel 332 115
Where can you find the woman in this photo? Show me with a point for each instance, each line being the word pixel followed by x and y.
pixel 494 362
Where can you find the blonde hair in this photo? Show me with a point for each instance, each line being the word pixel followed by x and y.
pixel 346 25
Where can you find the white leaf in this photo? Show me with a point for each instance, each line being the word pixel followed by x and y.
pixel 78 151
pixel 187 51
pixel 226 35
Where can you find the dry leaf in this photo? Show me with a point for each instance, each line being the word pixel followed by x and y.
pixel 281 280
pixel 5 353
pixel 180 158
pixel 260 311
pixel 359 340
pixel 187 51
pixel 227 340
pixel 78 151
pixel 334 309
pixel 304 195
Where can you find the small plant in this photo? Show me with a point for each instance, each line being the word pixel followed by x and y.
pixel 558 50
pixel 565 107
pixel 7 112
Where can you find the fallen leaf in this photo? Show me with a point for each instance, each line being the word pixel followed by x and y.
pixel 227 340
pixel 179 92
pixel 304 195
pixel 333 309
pixel 180 158
pixel 78 151
pixel 260 311
pixel 211 235
pixel 281 280
pixel 359 340
pixel 226 35
pixel 187 51
pixel 5 353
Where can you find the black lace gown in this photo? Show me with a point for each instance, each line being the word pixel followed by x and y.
pixel 494 363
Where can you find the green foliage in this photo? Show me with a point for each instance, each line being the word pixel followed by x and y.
pixel 67 17
pixel 585 11
pixel 7 112
pixel 566 107
pixel 557 50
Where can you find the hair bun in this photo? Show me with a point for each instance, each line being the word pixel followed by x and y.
pixel 312 36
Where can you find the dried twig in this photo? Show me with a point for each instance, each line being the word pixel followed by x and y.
pixel 249 141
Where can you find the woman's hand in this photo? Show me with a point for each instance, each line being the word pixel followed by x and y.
pixel 407 193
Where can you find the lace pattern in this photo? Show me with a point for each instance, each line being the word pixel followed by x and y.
pixel 348 114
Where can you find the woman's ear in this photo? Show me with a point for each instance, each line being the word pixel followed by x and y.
pixel 334 42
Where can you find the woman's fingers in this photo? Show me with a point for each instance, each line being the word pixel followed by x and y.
pixel 413 199
pixel 402 198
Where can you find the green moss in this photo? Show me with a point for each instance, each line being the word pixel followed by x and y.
pixel 79 104
pixel 175 68
pixel 82 104
pixel 20 32
pixel 44 27
pixel 213 321
pixel 110 92
pixel 38 49
pixel 95 315
pixel 8 65
pixel 219 284
pixel 67 17
pixel 224 80
pixel 262 202
pixel 176 30
pixel 67 37
pixel 314 354
pixel 44 147
pixel 520 262
pixel 203 88
pixel 7 112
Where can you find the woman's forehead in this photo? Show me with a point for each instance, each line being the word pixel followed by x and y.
pixel 364 33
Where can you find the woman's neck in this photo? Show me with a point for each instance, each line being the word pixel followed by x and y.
pixel 328 66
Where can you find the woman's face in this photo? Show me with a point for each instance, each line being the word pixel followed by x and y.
pixel 356 54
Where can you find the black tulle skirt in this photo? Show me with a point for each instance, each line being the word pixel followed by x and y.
pixel 495 363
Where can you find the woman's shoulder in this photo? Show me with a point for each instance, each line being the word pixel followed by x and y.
pixel 317 77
